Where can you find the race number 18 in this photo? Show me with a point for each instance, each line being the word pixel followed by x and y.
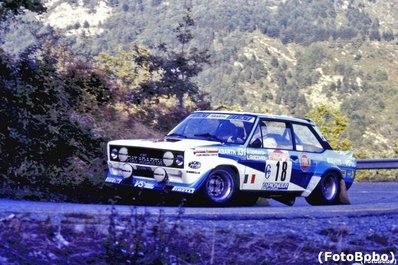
pixel 278 171
pixel 282 172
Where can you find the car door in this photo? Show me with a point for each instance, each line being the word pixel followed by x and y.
pixel 268 163
pixel 306 155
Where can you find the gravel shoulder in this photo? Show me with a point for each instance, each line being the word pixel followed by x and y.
pixel 145 236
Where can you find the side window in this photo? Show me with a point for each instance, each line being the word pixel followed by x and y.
pixel 305 139
pixel 256 142
pixel 272 134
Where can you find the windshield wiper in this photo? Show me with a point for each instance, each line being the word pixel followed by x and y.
pixel 176 135
pixel 209 136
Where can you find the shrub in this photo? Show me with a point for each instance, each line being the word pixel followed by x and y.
pixel 43 145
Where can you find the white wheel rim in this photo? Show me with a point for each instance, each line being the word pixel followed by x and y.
pixel 219 185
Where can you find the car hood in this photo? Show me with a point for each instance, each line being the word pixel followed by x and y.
pixel 181 145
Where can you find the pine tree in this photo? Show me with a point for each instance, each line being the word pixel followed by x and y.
pixel 14 6
pixel 177 66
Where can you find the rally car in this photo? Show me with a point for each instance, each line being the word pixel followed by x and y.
pixel 229 158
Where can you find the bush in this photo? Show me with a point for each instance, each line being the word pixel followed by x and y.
pixel 44 147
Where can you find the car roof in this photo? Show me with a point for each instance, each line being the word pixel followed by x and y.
pixel 262 115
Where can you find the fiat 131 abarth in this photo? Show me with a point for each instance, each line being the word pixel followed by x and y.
pixel 231 158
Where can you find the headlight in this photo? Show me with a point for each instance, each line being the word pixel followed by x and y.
pixel 114 154
pixel 126 171
pixel 180 160
pixel 168 158
pixel 123 154
pixel 160 174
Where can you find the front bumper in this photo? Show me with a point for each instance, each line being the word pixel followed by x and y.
pixel 142 177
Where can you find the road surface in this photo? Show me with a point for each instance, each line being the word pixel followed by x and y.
pixel 366 199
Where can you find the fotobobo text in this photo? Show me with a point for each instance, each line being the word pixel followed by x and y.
pixel 363 258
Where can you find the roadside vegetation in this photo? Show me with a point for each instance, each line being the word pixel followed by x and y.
pixel 59 109
pixel 143 238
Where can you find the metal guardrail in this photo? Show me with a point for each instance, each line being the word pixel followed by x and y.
pixel 382 163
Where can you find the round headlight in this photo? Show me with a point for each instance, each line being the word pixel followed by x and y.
pixel 114 153
pixel 180 160
pixel 123 154
pixel 126 171
pixel 160 174
pixel 168 158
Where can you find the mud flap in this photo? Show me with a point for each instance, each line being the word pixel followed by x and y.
pixel 343 196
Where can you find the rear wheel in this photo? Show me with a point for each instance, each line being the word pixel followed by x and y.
pixel 327 192
pixel 221 187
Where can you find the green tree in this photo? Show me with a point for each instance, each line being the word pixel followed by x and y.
pixel 15 6
pixel 46 131
pixel 177 67
pixel 123 67
pixel 333 125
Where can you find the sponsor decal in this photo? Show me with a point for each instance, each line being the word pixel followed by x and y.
pixel 218 116
pixel 206 152
pixel 239 117
pixel 268 171
pixel 256 157
pixel 275 186
pixel 223 151
pixel 341 161
pixel 143 184
pixel 254 151
pixel 233 152
pixel 279 155
pixel 194 164
pixel 114 180
pixel 277 175
pixel 305 162
pixel 257 154
pixel 252 179
pixel 184 190
pixel 192 172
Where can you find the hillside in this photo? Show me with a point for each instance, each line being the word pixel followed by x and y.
pixel 276 56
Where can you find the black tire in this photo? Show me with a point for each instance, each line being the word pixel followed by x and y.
pixel 221 187
pixel 327 192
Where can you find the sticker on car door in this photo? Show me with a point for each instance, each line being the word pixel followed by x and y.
pixel 278 171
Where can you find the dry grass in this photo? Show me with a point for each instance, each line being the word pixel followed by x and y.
pixel 142 238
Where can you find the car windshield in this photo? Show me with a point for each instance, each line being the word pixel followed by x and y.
pixel 225 128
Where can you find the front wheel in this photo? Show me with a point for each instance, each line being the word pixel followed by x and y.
pixel 220 187
pixel 327 192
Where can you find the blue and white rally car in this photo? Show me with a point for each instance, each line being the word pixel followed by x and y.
pixel 230 158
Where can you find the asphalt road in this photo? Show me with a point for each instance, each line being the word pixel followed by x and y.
pixel 366 199
pixel 366 193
